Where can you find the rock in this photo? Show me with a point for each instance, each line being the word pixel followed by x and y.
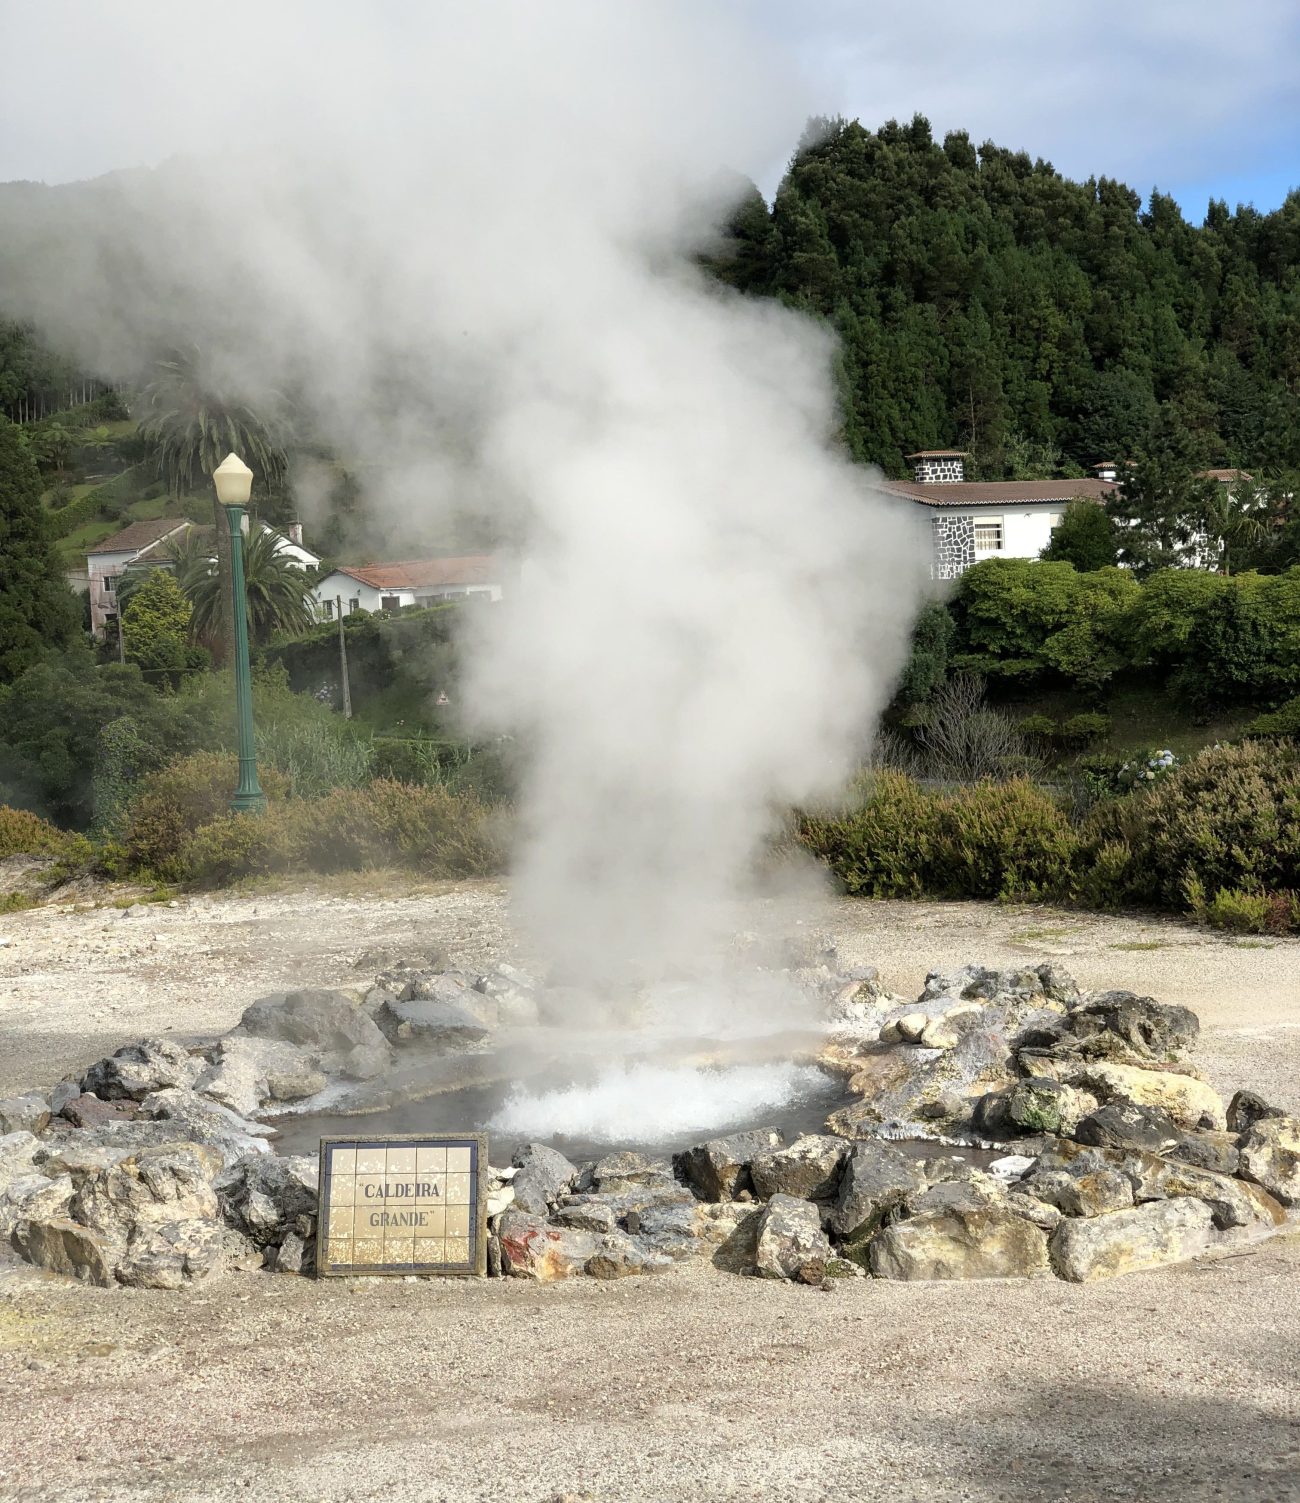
pixel 265 1194
pixel 29 1113
pixel 171 1254
pixel 1188 1101
pixel 242 1070
pixel 1149 1236
pixel 1041 1104
pixel 66 1090
pixel 170 1184
pixel 36 1197
pixel 1125 1125
pixel 207 1122
pixel 1246 1109
pixel 290 1256
pixel 1150 1028
pixel 1012 1166
pixel 1093 1193
pixel 1232 1202
pixel 136 1070
pixel 809 1169
pixel 989 1242
pixel 90 1111
pixel 620 1256
pixel 18 1151
pixel 876 1179
pixel 533 1249
pixel 318 1020
pixel 62 1246
pixel 939 1033
pixel 543 1175
pixel 1041 1212
pixel 1218 1151
pixel 587 1213
pixel 498 1198
pixel 790 1242
pixel 718 1169
pixel 1270 1155
pixel 440 1024
pixel 909 1029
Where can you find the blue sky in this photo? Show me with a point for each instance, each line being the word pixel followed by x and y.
pixel 1197 98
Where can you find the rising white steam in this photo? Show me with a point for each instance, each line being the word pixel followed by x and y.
pixel 463 236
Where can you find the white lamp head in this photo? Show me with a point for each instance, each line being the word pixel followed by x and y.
pixel 234 481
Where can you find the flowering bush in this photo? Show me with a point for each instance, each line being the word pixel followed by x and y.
pixel 1143 770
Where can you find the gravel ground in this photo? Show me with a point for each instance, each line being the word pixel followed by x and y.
pixel 1179 1384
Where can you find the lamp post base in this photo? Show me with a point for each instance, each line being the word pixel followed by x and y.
pixel 248 803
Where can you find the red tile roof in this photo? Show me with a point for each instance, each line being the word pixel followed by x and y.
pixel 1224 477
pixel 1000 492
pixel 139 535
pixel 420 574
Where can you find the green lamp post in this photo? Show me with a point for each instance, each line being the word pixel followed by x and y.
pixel 234 481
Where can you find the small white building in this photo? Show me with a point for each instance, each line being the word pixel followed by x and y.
pixel 389 587
pixel 144 545
pixel 971 520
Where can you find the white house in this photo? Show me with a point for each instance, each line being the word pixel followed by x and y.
pixel 971 520
pixel 389 587
pixel 144 545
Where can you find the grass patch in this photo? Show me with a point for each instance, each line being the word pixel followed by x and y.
pixel 1036 936
pixel 16 902
pixel 1140 944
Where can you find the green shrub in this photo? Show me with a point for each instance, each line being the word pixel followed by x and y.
pixel 1226 819
pixel 1042 727
pixel 1284 721
pixel 1009 841
pixel 315 755
pixel 175 802
pixel 387 824
pixel 26 834
pixel 1079 730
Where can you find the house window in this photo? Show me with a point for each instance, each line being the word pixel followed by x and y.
pixel 108 581
pixel 988 537
pixel 354 604
pixel 328 607
pixel 389 602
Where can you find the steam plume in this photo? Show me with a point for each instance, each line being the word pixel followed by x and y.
pixel 464 235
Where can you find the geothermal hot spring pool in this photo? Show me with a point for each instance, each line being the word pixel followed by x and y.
pixel 589 1108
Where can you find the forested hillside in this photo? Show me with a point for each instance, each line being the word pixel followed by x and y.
pixel 985 301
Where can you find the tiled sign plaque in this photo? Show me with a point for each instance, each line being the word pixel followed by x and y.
pixel 413 1204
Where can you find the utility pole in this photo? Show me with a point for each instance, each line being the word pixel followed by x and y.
pixel 343 661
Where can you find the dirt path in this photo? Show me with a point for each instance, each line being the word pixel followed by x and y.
pixel 1178 1385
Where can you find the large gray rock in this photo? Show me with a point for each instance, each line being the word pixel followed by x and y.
pixel 442 1024
pixel 153 1186
pixel 1246 1108
pixel 36 1197
pixel 1092 1193
pixel 809 1168
pixel 790 1242
pixel 247 1073
pixel 719 1169
pixel 338 1034
pixel 1149 1028
pixel 1127 1125
pixel 137 1069
pixel 1043 1105
pixel 1232 1202
pixel 87 1110
pixel 1219 1151
pixel 29 1113
pixel 171 1254
pixel 207 1122
pixel 63 1246
pixel 620 1256
pixel 265 1194
pixel 876 1178
pixel 532 1248
pixel 1270 1155
pixel 1149 1236
pixel 544 1175
pixel 987 1242
pixel 630 1174
pixel 18 1151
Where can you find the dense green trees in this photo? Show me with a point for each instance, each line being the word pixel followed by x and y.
pixel 37 609
pixel 1084 537
pixel 276 589
pixel 985 301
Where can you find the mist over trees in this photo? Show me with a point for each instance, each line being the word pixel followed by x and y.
pixel 984 301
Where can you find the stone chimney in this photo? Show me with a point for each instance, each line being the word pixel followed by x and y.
pixel 938 466
pixel 1106 470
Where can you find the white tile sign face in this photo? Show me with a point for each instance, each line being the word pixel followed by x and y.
pixel 402 1205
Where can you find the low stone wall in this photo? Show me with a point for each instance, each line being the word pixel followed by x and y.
pixel 1105 1151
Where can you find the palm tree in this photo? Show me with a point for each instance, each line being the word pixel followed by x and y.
pixel 1233 515
pixel 277 589
pixel 192 428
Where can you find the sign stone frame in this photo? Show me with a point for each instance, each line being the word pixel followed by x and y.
pixel 402 1204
